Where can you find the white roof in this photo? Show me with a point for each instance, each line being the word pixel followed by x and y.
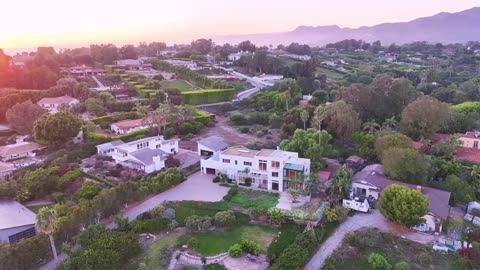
pixel 13 214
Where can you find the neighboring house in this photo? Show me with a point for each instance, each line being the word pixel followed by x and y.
pixel 304 101
pixel 355 162
pixel 108 148
pixel 236 56
pixel 83 71
pixel 133 64
pixel 146 155
pixel 211 145
pixel 127 126
pixel 371 181
pixel 267 169
pixel 188 64
pixel 16 222
pixel 52 104
pixel 19 150
pixel 470 143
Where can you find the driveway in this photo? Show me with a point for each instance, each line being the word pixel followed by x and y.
pixel 358 221
pixel 196 188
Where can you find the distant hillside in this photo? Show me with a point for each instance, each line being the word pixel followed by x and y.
pixel 444 27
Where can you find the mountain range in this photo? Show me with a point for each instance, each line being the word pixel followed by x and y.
pixel 444 27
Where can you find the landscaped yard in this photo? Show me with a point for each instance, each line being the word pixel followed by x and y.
pixel 252 198
pixel 180 84
pixel 151 257
pixel 355 250
pixel 215 242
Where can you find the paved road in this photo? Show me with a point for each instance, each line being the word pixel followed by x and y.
pixel 358 221
pixel 257 83
pixel 196 188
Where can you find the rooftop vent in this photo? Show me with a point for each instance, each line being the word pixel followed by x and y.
pixel 243 151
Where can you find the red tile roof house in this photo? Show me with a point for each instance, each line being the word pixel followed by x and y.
pixel 52 103
pixel 127 126
pixel 470 151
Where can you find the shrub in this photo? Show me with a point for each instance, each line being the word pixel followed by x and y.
pixel 378 262
pixel 231 193
pixel 225 218
pixel 87 191
pixel 158 210
pixel 402 266
pixel 331 214
pixel 366 238
pixel 424 258
pixel 276 216
pixel 145 216
pixel 250 246
pixel 198 223
pixel 257 212
pixel 150 225
pixel 293 257
pixel 235 251
pixel 244 130
pixel 169 213
pixel 307 239
pixel 238 119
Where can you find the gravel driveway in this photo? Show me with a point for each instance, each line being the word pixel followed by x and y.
pixel 358 221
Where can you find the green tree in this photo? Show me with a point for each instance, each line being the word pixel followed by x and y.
pixel 47 223
pixel 37 183
pixel 462 191
pixel 378 262
pixel 95 106
pixel 396 140
pixel 22 116
pixel 309 144
pixel 447 148
pixel 56 129
pixel 276 216
pixel 340 120
pixel 225 218
pixel 87 191
pixel 365 145
pixel 423 117
pixel 402 205
pixel 406 165
pixel 341 184
pixel 122 221
pixel 403 265
pixel 304 115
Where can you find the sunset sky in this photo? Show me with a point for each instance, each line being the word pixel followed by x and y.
pixel 63 23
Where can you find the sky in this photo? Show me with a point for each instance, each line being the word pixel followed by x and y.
pixel 67 23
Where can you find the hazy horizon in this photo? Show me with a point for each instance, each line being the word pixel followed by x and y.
pixel 55 23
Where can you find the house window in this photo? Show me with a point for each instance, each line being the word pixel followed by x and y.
pixel 475 144
pixel 235 162
pixel 226 160
pixel 262 164
pixel 292 173
pixel 275 174
pixel 275 164
pixel 247 163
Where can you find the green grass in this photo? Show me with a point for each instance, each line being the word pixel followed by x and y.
pixel 180 84
pixel 185 209
pixel 36 208
pixel 150 256
pixel 215 242
pixel 252 198
pixel 286 236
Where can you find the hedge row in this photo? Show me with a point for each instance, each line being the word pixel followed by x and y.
pixel 208 96
pixel 98 179
pixel 468 107
pixel 107 119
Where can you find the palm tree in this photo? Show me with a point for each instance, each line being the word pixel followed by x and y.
pixel 371 127
pixel 390 123
pixel 341 184
pixel 46 223
pixel 304 116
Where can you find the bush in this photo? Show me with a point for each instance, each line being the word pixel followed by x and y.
pixel 150 225
pixel 87 191
pixel 250 246
pixel 231 193
pixel 235 251
pixel 238 119
pixel 208 96
pixel 169 214
pixel 276 216
pixel 293 257
pixel 378 262
pixel 158 210
pixel 198 223
pixel 244 130
pixel 366 238
pixel 402 266
pixel 424 258
pixel 225 218
pixel 257 212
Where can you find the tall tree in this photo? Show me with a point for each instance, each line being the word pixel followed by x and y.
pixel 304 115
pixel 46 223
pixel 395 140
pixel 56 129
pixel 340 119
pixel 402 205
pixel 406 165
pixel 341 184
pixel 22 116
pixel 423 117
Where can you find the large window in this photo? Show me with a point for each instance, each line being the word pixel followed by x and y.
pixel 274 174
pixel 28 233
pixel 275 164
pixel 262 165
pixel 226 160
pixel 247 163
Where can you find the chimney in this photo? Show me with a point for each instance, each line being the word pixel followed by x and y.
pixel 419 188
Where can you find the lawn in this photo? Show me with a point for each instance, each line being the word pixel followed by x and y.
pixel 287 234
pixel 185 209
pixel 180 84
pixel 252 198
pixel 215 242
pixel 151 256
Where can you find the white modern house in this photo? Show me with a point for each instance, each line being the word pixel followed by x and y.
pixel 368 184
pixel 52 104
pixel 16 222
pixel 236 56
pixel 146 155
pixel 188 64
pixel 267 168
pixel 127 126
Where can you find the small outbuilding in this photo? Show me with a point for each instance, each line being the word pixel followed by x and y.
pixel 16 222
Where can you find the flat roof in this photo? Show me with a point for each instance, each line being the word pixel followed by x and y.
pixel 295 167
pixel 13 214
pixel 240 151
